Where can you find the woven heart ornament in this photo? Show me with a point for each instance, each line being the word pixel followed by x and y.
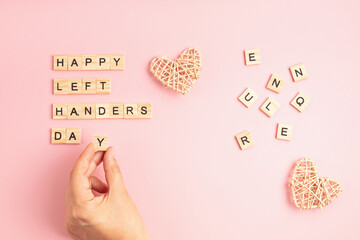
pixel 180 74
pixel 308 189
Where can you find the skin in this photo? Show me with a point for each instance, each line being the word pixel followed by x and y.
pixel 110 216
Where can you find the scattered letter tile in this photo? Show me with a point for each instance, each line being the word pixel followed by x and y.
pixel 275 83
pixel 284 131
pixel 248 97
pixel 269 107
pixel 245 140
pixel 300 102
pixel 298 72
pixel 252 57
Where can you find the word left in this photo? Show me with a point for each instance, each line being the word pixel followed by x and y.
pixel 82 86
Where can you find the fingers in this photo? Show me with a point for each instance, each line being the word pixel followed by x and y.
pixel 112 172
pixel 86 164
pixel 98 185
pixel 96 160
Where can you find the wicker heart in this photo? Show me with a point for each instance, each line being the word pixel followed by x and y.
pixel 308 189
pixel 179 74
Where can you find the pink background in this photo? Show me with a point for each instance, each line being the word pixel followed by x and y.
pixel 184 168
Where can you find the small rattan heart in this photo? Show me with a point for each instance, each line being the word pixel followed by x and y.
pixel 308 189
pixel 180 74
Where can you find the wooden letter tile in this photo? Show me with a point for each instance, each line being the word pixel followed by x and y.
pixel 298 72
pixel 248 97
pixel 103 86
pixel 284 131
pixel 89 85
pixel 117 62
pixel 103 62
pixel 130 110
pixel 252 57
pixel 60 63
pixel 74 111
pixel 88 111
pixel 58 135
pixel 269 107
pixel 275 83
pixel 75 86
pixel 300 102
pixel 245 140
pixel 73 135
pixel 116 110
pixel 90 62
pixel 59 111
pixel 101 142
pixel 102 110
pixel 61 86
pixel 74 62
pixel 144 110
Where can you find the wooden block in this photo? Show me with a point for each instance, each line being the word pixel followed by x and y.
pixel 116 110
pixel 298 72
pixel 144 110
pixel 248 97
pixel 58 135
pixel 73 135
pixel 130 110
pixel 60 111
pixel 61 86
pixel 300 102
pixel 103 86
pixel 275 83
pixel 117 62
pixel 60 63
pixel 269 107
pixel 89 86
pixel 101 142
pixel 74 62
pixel 75 86
pixel 74 111
pixel 102 110
pixel 104 62
pixel 90 62
pixel 88 111
pixel 284 131
pixel 252 56
pixel 245 140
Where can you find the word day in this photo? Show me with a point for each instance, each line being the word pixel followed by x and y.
pixel 89 62
pixel 102 111
pixel 65 135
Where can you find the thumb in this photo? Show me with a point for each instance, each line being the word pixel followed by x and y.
pixel 113 174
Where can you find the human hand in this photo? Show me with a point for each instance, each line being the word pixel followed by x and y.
pixel 110 216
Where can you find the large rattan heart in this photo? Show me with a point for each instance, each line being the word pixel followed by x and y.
pixel 308 189
pixel 180 74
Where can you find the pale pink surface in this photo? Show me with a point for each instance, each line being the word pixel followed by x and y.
pixel 184 168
